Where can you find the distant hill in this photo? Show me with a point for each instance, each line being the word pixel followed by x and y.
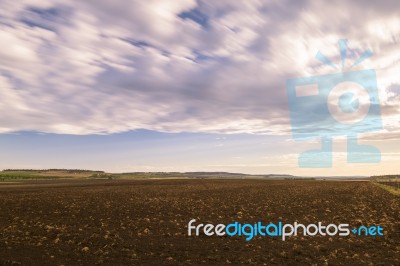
pixel 385 177
pixel 20 174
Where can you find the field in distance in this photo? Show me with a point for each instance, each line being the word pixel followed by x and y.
pixel 29 174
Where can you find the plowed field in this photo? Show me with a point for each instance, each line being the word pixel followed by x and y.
pixel 144 222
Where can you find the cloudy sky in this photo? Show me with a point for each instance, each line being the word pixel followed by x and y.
pixel 183 85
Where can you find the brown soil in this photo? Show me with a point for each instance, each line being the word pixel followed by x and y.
pixel 144 222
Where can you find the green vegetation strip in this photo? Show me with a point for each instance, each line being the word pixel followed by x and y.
pixel 391 189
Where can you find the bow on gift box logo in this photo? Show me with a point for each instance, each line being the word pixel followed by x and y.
pixel 338 104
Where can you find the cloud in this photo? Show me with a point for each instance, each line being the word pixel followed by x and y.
pixel 101 67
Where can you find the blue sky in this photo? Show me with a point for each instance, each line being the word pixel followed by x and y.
pixel 141 150
pixel 182 85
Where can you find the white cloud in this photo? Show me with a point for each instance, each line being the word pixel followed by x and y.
pixel 83 67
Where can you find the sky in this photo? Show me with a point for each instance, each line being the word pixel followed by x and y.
pixel 184 85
